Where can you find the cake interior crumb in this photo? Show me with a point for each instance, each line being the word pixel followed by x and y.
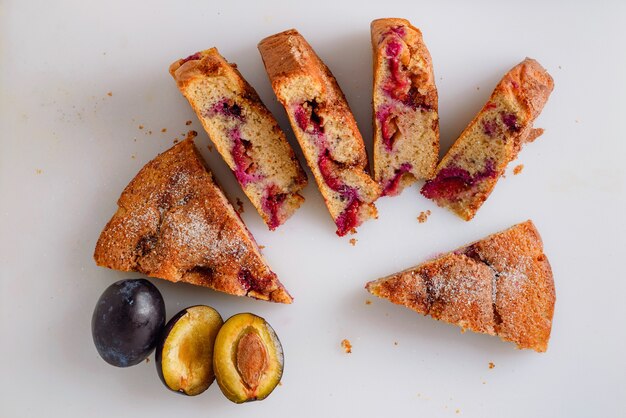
pixel 346 345
pixel 140 126
pixel 110 94
pixel 491 365
pixel 423 216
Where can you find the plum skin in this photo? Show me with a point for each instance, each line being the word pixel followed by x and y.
pixel 127 321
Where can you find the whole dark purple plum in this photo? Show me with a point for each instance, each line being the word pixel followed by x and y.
pixel 127 322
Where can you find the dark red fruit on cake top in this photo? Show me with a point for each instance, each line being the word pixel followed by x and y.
pixel 388 129
pixel 308 118
pixel 193 57
pixel 250 282
pixel 349 218
pixel 451 181
pixel 225 108
pixel 510 120
pixel 271 205
pixel 391 188
pixel 244 168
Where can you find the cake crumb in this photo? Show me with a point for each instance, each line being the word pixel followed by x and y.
pixel 477 87
pixel 239 206
pixel 458 411
pixel 210 147
pixel 147 359
pixel 149 132
pixel 423 216
pixel 261 247
pixel 491 365
pixel 353 241
pixel 110 94
pixel 164 130
pixel 140 126
pixel 132 156
pixel 346 345
pixel 395 343
pixel 175 141
pixel 368 302
pixel 518 169
pixel 188 123
pixel 38 171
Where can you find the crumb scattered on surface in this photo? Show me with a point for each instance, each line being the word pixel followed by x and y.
pixel 518 169
pixel 110 94
pixel 188 123
pixel 423 216
pixel 458 411
pixel 39 171
pixel 261 246
pixel 346 345
pixel 368 302
pixel 133 156
pixel 395 343
pixel 352 241
pixel 477 88
pixel 484 383
pixel 175 140
pixel 210 147
pixel 164 130
pixel 239 206
pixel 140 126
pixel 147 359
pixel 559 67
pixel 491 365
pixel 149 132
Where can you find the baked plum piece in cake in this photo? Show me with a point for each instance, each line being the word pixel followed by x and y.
pixel 405 117
pixel 174 222
pixel 244 132
pixel 470 169
pixel 501 285
pixel 324 127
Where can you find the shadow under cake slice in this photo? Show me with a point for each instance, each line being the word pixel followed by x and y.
pixel 173 222
pixel 324 126
pixel 501 285
pixel 405 117
pixel 471 168
pixel 244 132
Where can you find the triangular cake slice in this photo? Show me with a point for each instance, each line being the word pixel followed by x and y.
pixel 406 120
pixel 324 126
pixel 501 285
pixel 173 222
pixel 469 171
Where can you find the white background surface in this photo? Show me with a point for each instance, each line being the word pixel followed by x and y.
pixel 60 59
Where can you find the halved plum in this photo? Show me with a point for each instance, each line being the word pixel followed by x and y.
pixel 184 356
pixel 248 358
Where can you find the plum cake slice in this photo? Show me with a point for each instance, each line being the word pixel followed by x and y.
pixel 244 132
pixel 470 169
pixel 324 126
pixel 405 117
pixel 173 222
pixel 501 285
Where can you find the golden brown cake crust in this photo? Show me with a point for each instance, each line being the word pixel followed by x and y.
pixel 173 222
pixel 275 177
pixel 501 285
